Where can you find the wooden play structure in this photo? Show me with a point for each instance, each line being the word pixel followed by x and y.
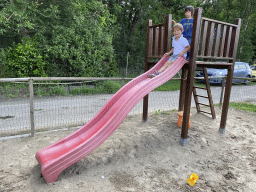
pixel 214 45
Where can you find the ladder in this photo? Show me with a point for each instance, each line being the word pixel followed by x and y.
pixel 209 96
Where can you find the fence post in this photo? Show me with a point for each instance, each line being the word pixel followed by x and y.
pixel 31 101
pixel 223 82
pixel 126 64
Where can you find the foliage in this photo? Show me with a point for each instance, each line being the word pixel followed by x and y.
pixel 57 90
pixel 2 63
pixel 81 46
pixel 84 91
pixel 111 86
pixel 24 60
pixel 90 38
pixel 74 36
pixel 228 11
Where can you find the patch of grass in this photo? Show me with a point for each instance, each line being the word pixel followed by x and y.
pixel 13 90
pixel 171 85
pixel 110 86
pixel 39 92
pixel 58 90
pixel 243 106
pixel 84 91
pixel 253 82
pixel 6 117
pixel 159 112
pixel 38 109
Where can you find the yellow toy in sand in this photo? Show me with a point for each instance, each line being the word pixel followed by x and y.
pixel 192 179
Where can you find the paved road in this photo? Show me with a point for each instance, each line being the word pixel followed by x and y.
pixel 58 112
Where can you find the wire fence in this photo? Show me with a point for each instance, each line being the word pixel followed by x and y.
pixel 25 111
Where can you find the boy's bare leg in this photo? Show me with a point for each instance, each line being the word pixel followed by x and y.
pixel 166 65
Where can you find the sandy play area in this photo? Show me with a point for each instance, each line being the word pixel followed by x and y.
pixel 145 157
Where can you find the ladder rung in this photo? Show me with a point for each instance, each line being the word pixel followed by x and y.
pixel 200 87
pixel 201 96
pixel 203 104
pixel 205 112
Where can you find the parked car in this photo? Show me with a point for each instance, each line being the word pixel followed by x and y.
pixel 253 68
pixel 241 69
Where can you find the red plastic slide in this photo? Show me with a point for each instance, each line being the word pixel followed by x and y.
pixel 60 155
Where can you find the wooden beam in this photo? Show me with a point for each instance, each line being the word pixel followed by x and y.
pixel 229 79
pixel 145 99
pixel 220 22
pixel 190 77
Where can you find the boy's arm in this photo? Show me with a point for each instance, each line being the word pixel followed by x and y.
pixel 186 49
pixel 170 52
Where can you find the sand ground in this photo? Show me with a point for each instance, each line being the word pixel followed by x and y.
pixel 145 157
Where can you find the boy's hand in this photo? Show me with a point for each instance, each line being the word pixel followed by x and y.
pixel 181 54
pixel 173 22
pixel 167 53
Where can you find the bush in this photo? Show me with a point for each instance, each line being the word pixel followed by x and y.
pixel 111 86
pixel 84 91
pixel 24 60
pixel 2 63
pixel 58 90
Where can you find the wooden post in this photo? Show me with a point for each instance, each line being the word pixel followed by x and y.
pixel 231 53
pixel 145 99
pixel 223 82
pixel 182 88
pixel 167 33
pixel 31 101
pixel 190 76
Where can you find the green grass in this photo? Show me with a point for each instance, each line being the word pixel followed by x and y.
pixel 100 87
pixel 13 90
pixel 243 106
pixel 158 112
pixel 84 91
pixel 171 85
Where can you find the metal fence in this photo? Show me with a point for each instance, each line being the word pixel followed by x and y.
pixel 29 112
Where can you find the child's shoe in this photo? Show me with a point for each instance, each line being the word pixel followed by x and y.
pixel 151 75
pixel 155 74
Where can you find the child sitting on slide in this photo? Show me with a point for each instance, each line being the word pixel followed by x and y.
pixel 180 47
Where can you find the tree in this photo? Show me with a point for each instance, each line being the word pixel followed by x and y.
pixel 74 35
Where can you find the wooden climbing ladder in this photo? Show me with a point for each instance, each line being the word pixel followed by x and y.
pixel 209 96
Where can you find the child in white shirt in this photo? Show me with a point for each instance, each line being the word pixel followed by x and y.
pixel 180 48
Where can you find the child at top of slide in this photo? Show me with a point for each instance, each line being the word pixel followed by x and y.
pixel 180 48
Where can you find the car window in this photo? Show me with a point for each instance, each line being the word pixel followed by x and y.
pixel 236 66
pixel 242 67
